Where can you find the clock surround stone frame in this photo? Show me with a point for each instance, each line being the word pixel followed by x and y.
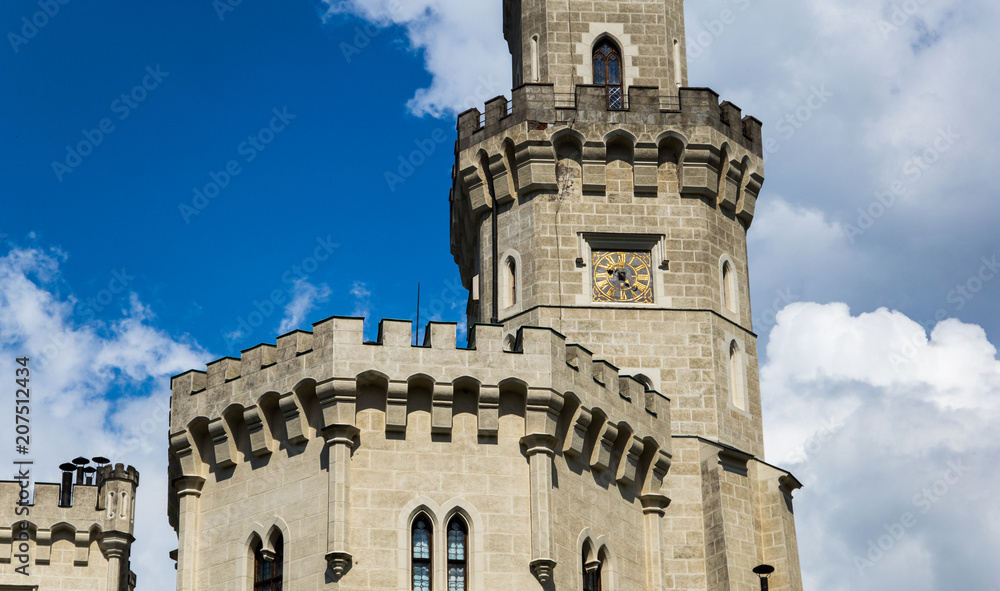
pixel 654 244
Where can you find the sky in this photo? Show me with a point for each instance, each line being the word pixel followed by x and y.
pixel 180 182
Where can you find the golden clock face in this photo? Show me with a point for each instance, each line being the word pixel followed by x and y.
pixel 622 276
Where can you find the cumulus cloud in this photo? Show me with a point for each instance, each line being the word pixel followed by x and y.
pixel 305 297
pixel 461 42
pixel 886 425
pixel 866 122
pixel 96 388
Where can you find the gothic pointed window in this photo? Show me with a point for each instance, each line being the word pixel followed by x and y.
pixel 268 567
pixel 591 573
pixel 421 554
pixel 458 555
pixel 510 296
pixel 608 73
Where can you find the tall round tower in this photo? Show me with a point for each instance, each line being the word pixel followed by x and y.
pixel 616 212
pixel 611 202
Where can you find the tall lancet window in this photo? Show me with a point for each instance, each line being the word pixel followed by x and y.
pixel 608 72
pixel 458 555
pixel 422 554
pixel 267 568
pixel 591 573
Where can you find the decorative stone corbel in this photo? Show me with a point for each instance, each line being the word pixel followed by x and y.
pixel 293 420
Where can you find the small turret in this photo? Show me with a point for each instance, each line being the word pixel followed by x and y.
pixel 116 500
pixel 118 486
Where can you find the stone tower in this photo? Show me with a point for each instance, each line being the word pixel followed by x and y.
pixel 71 536
pixel 601 430
pixel 587 183
pixel 552 41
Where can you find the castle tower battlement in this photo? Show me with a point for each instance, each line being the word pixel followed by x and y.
pixel 544 188
pixel 481 414
pixel 601 430
pixel 313 382
pixel 87 541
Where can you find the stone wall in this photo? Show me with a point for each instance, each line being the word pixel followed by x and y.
pixel 85 546
pixel 337 444
pixel 562 33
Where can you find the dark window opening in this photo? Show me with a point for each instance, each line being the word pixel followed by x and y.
pixel 608 73
pixel 591 574
pixel 268 567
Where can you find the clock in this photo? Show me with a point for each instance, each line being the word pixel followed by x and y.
pixel 622 276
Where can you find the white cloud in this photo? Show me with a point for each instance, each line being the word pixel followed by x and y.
pixel 305 296
pixel 461 42
pixel 887 426
pixel 895 94
pixel 97 389
pixel 362 300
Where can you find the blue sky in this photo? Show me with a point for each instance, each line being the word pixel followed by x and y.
pixel 873 253
pixel 321 178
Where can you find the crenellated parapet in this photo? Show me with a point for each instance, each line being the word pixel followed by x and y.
pixel 646 106
pixel 310 386
pixel 690 145
pixel 515 145
pixel 103 512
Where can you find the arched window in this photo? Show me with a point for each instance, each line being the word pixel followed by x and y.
pixel 728 287
pixel 421 554
pixel 458 555
pixel 510 297
pixel 608 72
pixel 591 572
pixel 267 568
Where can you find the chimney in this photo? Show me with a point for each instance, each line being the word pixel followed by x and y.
pixel 80 463
pixel 66 489
pixel 101 462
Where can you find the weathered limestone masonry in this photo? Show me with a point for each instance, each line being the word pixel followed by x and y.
pixel 85 546
pixel 551 41
pixel 626 455
pixel 566 170
pixel 336 444
pixel 692 182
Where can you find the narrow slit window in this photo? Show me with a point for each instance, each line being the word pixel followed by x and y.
pixel 728 287
pixel 458 555
pixel 421 555
pixel 510 298
pixel 736 380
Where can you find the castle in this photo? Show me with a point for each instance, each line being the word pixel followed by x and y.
pixel 601 429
